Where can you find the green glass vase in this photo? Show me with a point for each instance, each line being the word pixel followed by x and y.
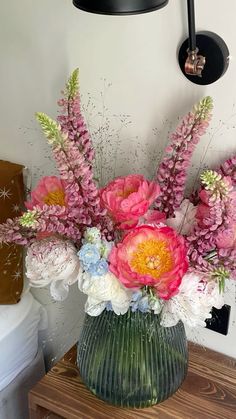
pixel 131 360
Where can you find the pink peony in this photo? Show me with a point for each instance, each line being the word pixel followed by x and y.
pixel 49 191
pixel 150 256
pixel 128 198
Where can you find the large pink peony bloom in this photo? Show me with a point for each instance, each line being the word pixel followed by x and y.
pixel 151 256
pixel 128 198
pixel 50 191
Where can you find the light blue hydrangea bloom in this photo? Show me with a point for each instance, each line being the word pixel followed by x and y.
pixel 109 306
pixel 106 248
pixel 144 304
pixel 137 295
pixel 140 302
pixel 89 255
pixel 99 268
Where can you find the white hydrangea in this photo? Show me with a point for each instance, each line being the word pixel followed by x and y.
pixel 53 262
pixel 104 289
pixel 92 235
pixel 193 303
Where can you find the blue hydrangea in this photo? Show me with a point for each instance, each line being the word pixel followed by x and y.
pixel 144 304
pixel 140 302
pixel 109 306
pixel 89 255
pixel 99 268
pixel 106 248
pixel 137 295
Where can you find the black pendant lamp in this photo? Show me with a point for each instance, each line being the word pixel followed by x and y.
pixel 119 7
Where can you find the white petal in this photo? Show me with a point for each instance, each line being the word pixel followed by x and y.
pixel 59 290
pixel 94 307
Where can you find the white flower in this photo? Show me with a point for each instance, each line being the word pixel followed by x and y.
pixel 103 289
pixel 156 305
pixel 92 235
pixel 52 261
pixel 184 217
pixel 193 303
pixel 94 307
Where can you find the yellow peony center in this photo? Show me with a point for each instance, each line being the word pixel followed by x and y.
pixel 126 192
pixel 55 198
pixel 152 258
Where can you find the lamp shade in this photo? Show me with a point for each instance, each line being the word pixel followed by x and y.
pixel 119 7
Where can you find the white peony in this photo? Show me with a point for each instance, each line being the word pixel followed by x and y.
pixel 52 261
pixel 184 218
pixel 104 289
pixel 193 303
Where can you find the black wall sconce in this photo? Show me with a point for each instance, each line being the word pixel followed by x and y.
pixel 119 7
pixel 203 57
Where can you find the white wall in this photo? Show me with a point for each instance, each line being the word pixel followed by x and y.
pixel 42 42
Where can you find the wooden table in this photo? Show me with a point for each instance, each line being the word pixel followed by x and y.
pixel 209 391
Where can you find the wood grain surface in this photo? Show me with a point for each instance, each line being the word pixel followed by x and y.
pixel 209 391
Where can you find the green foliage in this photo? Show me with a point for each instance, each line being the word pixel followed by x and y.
pixel 221 275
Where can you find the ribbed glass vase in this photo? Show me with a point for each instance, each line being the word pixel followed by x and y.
pixel 131 360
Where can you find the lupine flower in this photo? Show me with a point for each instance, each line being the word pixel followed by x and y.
pixel 52 219
pixel 71 119
pixel 226 238
pixel 172 172
pixel 128 198
pixel 150 256
pixel 80 189
pixel 13 232
pixel 228 168
pixel 215 218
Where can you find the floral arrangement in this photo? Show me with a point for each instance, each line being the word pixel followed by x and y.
pixel 134 244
